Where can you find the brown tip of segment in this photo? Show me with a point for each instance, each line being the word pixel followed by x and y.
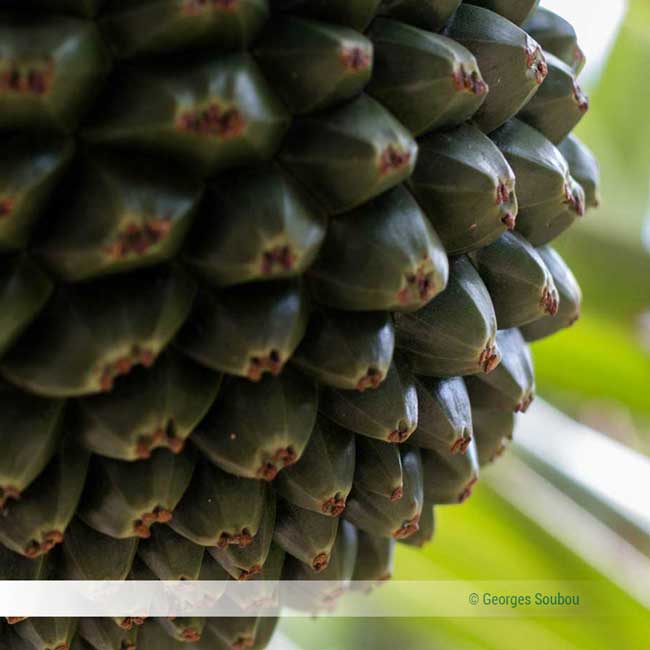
pixel 581 99
pixel 334 506
pixel 200 7
pixel 13 620
pixel 408 528
pixel 525 403
pixel 139 620
pixel 258 365
pixel 355 58
pixel 137 239
pixel 536 63
pixel 127 645
pixel 469 81
pixel 278 259
pixel 62 646
pixel 34 78
pixel 191 635
pixel 247 574
pixel 267 471
pixel 241 539
pixel 460 445
pixel 397 494
pixel 467 491
pixel 575 202
pixel 509 220
pixel 393 159
pixel 8 492
pixel 489 358
pixel 320 562
pixel 212 121
pixel 401 434
pixel 372 379
pixel 550 301
pixel 6 207
pixel 420 285
pixel 243 642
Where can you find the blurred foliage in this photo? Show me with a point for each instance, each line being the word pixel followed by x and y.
pixel 486 539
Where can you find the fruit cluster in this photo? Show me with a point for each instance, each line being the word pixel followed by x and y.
pixel 268 270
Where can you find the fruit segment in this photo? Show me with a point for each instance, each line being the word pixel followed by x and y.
pixel 511 386
pixel 246 331
pixel 103 634
pixel 520 285
pixel 123 501
pixel 162 26
pixel 388 413
pixel 256 430
pixel 512 63
pixel 151 408
pixel 399 518
pixel 428 81
pixel 382 256
pixel 445 419
pixel 455 333
pixel 170 556
pixel 570 298
pixel 374 558
pixel 351 13
pixel 431 15
pixel 314 65
pixel 349 155
pixel 379 469
pixel 47 633
pixel 321 480
pixel 584 168
pixel 516 11
pixel 427 528
pixel 494 429
pixel 466 188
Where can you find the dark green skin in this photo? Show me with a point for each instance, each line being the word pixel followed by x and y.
pixel 559 105
pixel 255 430
pixel 64 44
pixel 29 436
pixel 83 8
pixel 449 478
pixel 46 633
pixel 153 110
pixel 84 340
pixel 29 171
pixel 379 468
pixel 237 629
pixel 466 188
pixel 494 427
pixel 512 63
pixel 388 413
pixel 570 298
pixel 14 566
pixel 427 528
pixel 445 419
pixel 305 535
pixel 264 633
pixel 219 509
pixel 288 229
pixel 322 479
pixel 89 555
pixel 170 556
pixel 454 335
pixel 24 291
pixel 350 351
pixel 349 155
pixel 557 36
pixel 520 284
pixel 184 629
pixel 382 517
pixel 245 563
pixel 511 386
pixel 137 417
pixel 431 15
pixel 374 558
pixel 356 14
pixel 550 200
pixel 176 27
pixel 584 168
pixel 516 11
pixel 118 216
pixel 103 634
pixel 152 635
pixel 124 501
pixel 384 255
pixel 37 522
pixel 246 331
pixel 314 65
pixel 340 570
pixel 426 80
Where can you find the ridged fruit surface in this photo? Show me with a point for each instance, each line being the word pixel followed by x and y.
pixel 268 270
